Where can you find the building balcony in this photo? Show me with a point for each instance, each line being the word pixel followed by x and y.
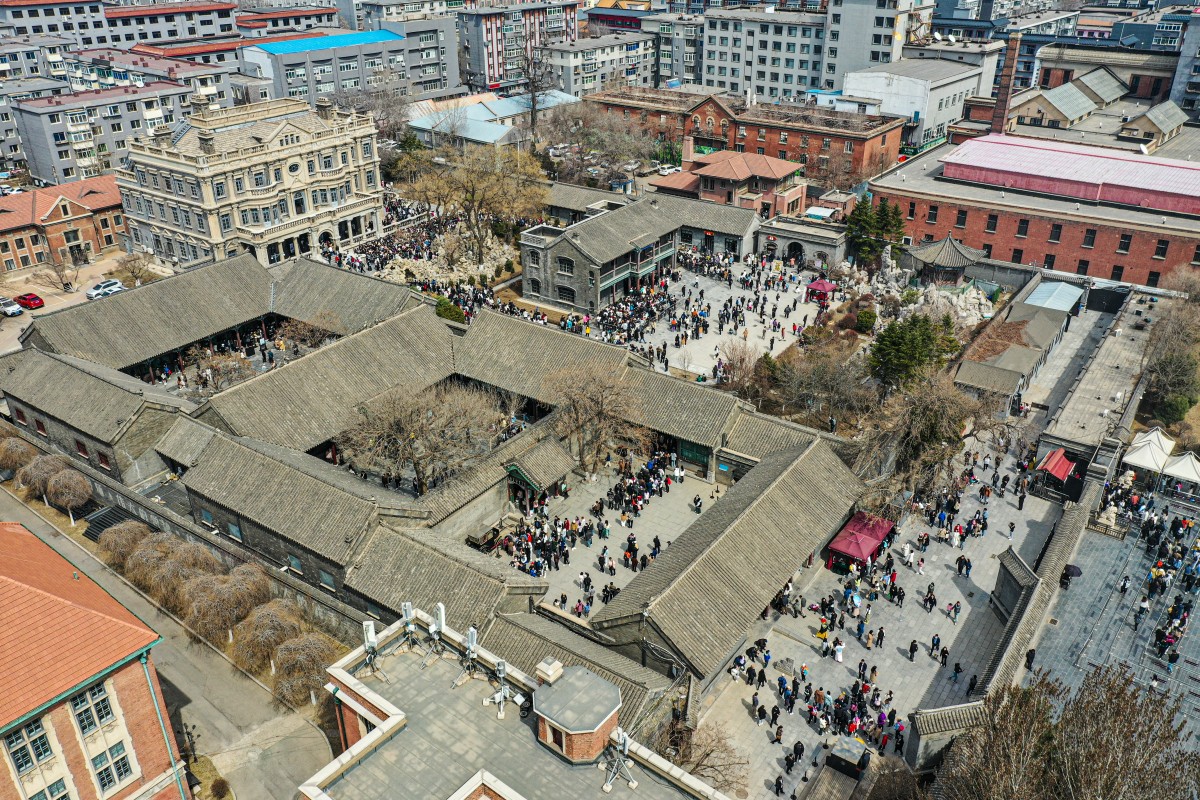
pixel 326 215
pixel 80 127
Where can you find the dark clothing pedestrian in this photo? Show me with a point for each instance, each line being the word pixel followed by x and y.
pixel 912 650
pixel 945 655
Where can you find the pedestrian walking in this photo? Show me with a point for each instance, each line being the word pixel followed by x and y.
pixel 1021 500
pixel 971 684
pixel 879 640
pixel 1124 584
pixel 912 651
pixel 935 644
pixel 958 670
pixel 1012 526
pixel 921 566
pixel 779 786
pixel 945 655
pixel 789 761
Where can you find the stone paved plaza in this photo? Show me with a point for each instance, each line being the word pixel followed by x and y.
pixel 920 684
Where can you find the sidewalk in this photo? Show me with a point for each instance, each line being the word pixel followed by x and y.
pixel 263 753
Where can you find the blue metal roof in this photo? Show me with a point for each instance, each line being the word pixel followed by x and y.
pixel 329 42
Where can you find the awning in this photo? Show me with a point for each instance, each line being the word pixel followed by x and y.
pixel 822 285
pixel 820 212
pixel 1185 467
pixel 1156 437
pixel 861 536
pixel 1146 455
pixel 1057 464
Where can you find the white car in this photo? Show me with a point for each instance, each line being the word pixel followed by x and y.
pixel 669 169
pixel 104 288
pixel 9 308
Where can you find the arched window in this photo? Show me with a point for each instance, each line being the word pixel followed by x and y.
pixel 566 294
pixel 535 286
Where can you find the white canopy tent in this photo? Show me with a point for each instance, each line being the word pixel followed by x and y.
pixel 1156 437
pixel 1185 467
pixel 1146 455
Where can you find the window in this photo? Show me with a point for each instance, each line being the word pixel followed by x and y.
pixel 234 530
pixel 1018 256
pixel 1022 227
pixel 566 294
pixel 206 516
pixel 566 265
pixel 1056 232
pixel 112 767
pixel 103 459
pixel 81 448
pixel 1152 279
pixel 28 746
pixel 1160 249
pixel 1118 272
pixel 326 580
pixel 849 148
pixel 1048 262
pixel 1126 241
pixel 912 210
pixel 960 220
pixel 987 249
pixel 295 565
pixel 1089 237
pixel 91 708
pixel 1082 267
pixel 932 214
pixel 40 426
pixel 55 791
pixel 1196 255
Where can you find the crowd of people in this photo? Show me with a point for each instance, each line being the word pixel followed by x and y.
pixel 416 242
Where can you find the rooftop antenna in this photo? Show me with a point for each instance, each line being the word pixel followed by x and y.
pixel 436 628
pixel 617 762
pixel 470 649
pixel 410 640
pixel 503 692
pixel 371 648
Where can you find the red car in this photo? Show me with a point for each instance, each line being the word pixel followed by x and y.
pixel 29 300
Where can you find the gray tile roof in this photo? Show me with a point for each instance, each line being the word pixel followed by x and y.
pixel 948 253
pixel 1070 101
pixel 94 400
pixel 185 441
pixel 302 509
pixel 307 288
pixel 525 639
pixel 1166 116
pixel 757 435
pixel 705 590
pixel 397 566
pixel 987 377
pixel 311 400
pixel 1042 325
pixel 1104 85
pixel 949 719
pixel 544 463
pixel 578 198
pixel 135 325
pixel 679 408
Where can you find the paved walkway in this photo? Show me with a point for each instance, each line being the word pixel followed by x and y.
pixel 923 683
pixel 264 752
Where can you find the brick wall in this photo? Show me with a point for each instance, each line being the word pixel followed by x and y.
pixel 1103 259
pixel 578 747
pixel 65 439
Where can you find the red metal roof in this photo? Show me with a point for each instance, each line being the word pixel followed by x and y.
pixel 215 47
pixel 165 9
pixel 1057 464
pixel 288 12
pixel 58 629
pixel 1093 174
pixel 100 94
pixel 244 23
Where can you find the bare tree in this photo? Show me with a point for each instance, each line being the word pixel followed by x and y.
pixel 707 753
pixel 300 663
pixel 1110 738
pixel 384 98
pixel 265 628
pixel 739 359
pixel 222 369
pixel 216 603
pixel 312 333
pixel 15 453
pixel 432 433
pixel 613 139
pixel 827 379
pixel 56 276
pixel 70 490
pixel 35 476
pixel 136 265
pixel 162 565
pixel 895 781
pixel 594 412
pixel 120 541
pixel 540 79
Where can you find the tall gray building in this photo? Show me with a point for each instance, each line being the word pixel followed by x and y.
pixel 83 134
pixel 679 40
pixel 108 67
pixel 863 33
pixel 588 65
pixel 771 54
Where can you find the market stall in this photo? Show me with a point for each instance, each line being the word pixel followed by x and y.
pixel 857 542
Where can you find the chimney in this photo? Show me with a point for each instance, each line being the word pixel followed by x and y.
pixel 324 108
pixel 1008 77
pixel 689 153
pixel 549 670
pixel 207 143
pixel 199 105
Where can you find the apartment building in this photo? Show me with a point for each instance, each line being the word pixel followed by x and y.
pixel 11 154
pixel 1185 89
pixel 33 56
pixel 274 179
pixel 108 67
pixel 679 42
pixel 71 223
pixel 82 134
pixel 215 51
pixel 772 54
pixel 497 41
pixel 99 24
pixel 83 23
pixel 373 14
pixel 588 65
pixel 96 725
pixel 862 33
pixel 266 21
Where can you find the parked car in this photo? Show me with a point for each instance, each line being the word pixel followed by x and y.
pixel 113 290
pixel 102 288
pixel 669 169
pixel 29 300
pixel 630 166
pixel 9 308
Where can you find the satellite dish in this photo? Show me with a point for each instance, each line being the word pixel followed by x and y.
pixel 951 38
pixel 1144 149
pixel 937 36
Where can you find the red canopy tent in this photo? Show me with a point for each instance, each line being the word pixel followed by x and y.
pixel 1057 464
pixel 860 538
pixel 821 287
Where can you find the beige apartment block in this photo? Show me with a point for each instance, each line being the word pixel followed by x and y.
pixel 275 179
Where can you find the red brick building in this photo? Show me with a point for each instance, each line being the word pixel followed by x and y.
pixel 833 148
pixel 767 185
pixel 1088 210
pixel 81 711
pixel 74 222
